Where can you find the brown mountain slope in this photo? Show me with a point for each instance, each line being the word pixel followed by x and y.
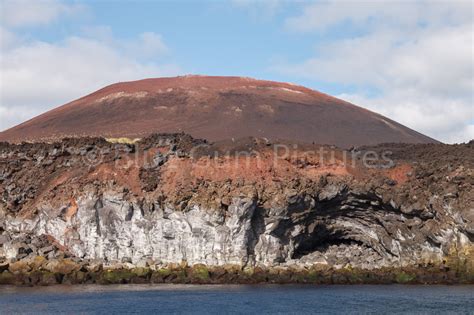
pixel 215 108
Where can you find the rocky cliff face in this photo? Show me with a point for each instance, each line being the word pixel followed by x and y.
pixel 171 200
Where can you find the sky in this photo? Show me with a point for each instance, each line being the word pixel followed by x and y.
pixel 411 61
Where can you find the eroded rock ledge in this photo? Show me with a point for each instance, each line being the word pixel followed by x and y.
pixel 170 208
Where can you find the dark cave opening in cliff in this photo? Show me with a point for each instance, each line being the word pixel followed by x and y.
pixel 320 240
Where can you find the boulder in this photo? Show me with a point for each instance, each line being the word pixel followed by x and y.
pixel 62 266
pixel 19 267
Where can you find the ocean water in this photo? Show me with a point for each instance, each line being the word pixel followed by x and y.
pixel 238 299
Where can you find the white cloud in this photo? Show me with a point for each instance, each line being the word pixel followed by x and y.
pixel 418 58
pixel 259 9
pixel 427 60
pixel 7 39
pixel 149 45
pixel 37 76
pixel 450 121
pixel 20 13
pixel 13 115
pixel 322 15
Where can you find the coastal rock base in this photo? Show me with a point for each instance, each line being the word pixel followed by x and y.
pixel 44 272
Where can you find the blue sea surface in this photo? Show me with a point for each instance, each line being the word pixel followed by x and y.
pixel 238 299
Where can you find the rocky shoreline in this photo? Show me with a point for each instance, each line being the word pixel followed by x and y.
pixel 42 272
pixel 172 209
